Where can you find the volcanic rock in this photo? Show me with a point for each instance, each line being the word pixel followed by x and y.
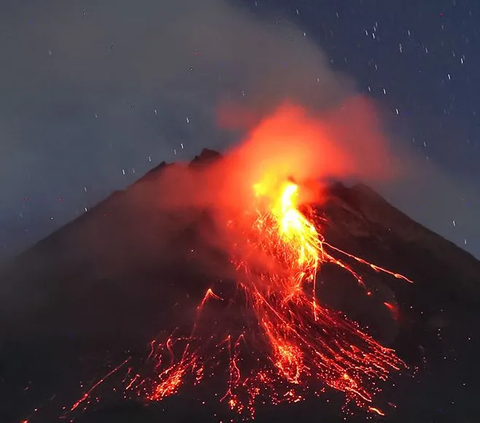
pixel 106 283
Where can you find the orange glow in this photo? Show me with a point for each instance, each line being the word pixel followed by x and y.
pixel 377 411
pixel 294 230
pixel 284 346
pixel 305 345
pixel 293 142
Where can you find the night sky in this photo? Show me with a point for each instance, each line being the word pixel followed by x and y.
pixel 94 94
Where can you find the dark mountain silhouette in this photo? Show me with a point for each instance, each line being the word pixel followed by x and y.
pixel 102 286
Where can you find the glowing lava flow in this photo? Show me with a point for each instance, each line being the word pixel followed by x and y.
pixel 288 346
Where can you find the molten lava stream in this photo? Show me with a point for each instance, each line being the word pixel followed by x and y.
pixel 297 347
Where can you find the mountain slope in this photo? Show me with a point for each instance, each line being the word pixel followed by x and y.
pixel 110 280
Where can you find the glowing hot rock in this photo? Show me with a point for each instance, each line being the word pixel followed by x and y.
pixel 289 346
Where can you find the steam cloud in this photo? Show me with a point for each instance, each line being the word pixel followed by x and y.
pixel 95 88
pixel 83 81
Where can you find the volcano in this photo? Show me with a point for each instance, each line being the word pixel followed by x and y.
pixel 93 295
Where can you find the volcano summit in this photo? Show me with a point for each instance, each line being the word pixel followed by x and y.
pixel 267 298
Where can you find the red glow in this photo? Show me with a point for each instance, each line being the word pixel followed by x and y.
pixel 301 346
pixel 275 241
pixel 393 309
pixel 289 346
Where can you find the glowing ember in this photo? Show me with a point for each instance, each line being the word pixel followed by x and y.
pixel 288 346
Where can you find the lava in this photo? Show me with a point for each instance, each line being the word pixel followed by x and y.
pixel 283 345
pixel 289 346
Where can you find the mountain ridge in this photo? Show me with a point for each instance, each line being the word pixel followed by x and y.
pixel 365 214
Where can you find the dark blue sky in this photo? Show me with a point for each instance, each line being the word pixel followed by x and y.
pixel 424 54
pixel 96 93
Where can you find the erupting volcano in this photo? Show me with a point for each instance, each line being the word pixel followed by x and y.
pixel 263 229
pixel 289 346
pixel 285 346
